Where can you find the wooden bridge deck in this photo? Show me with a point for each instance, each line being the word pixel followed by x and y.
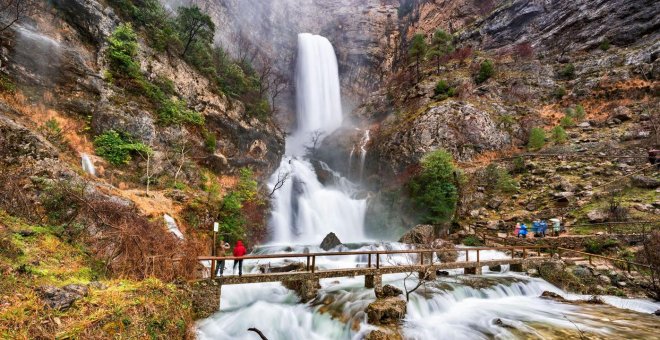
pixel 374 266
pixel 352 272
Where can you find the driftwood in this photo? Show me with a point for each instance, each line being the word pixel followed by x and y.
pixel 261 335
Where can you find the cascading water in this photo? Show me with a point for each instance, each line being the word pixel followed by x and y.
pixel 363 151
pixel 508 306
pixel 304 209
pixel 87 164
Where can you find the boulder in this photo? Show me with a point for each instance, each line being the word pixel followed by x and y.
pixel 495 203
pixel 388 291
pixel 382 335
pixel 554 296
pixel 446 250
pixel 597 216
pixel 386 311
pixel 421 234
pixel 657 312
pixel 622 114
pixel 582 272
pixel 645 182
pixel 62 298
pixel 605 280
pixel 563 197
pixel 330 241
pixel 495 268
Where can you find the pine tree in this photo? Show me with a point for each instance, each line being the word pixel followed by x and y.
pixel 417 50
pixel 441 45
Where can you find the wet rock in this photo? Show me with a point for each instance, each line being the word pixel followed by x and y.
pixel 388 291
pixel 597 216
pixel 554 296
pixel 657 312
pixel 442 273
pixel 645 182
pixel 282 268
pixel 62 298
pixel 386 311
pixel 330 241
pixel 596 300
pixel 495 268
pixel 382 335
pixel 421 234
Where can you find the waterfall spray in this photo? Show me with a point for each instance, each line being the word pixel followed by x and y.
pixel 304 209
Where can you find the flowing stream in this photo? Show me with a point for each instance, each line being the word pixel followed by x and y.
pixel 494 305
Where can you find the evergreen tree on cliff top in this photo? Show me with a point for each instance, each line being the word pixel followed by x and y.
pixel 417 50
pixel 194 26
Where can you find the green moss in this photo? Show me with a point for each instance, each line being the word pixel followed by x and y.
pixel 118 149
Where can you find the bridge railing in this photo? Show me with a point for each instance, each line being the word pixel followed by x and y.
pixel 374 256
pixel 629 264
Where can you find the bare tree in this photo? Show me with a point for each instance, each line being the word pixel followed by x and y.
pixel 178 158
pixel 246 50
pixel 13 11
pixel 282 177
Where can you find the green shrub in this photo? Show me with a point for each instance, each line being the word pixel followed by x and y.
pixel 536 138
pixel 595 246
pixel 6 84
pixel 210 142
pixel 519 165
pixel 433 190
pixel 559 134
pixel 559 92
pixel 568 71
pixel 118 149
pixel 52 130
pixel 175 112
pixel 486 70
pixel 122 48
pixel 566 121
pixel 233 219
pixel 605 45
pixel 580 114
pixel 472 241
pixel 500 180
pixel 443 90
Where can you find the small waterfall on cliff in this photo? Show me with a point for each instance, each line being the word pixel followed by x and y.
pixel 363 151
pixel 87 164
pixel 304 209
pixel 171 225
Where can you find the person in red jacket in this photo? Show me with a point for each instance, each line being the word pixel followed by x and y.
pixel 239 250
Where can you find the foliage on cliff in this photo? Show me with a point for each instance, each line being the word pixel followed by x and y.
pixel 434 189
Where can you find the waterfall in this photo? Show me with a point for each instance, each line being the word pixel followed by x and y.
pixel 87 165
pixel 363 151
pixel 304 209
pixel 171 225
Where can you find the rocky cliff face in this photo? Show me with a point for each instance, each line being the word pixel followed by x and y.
pixel 364 34
pixel 62 54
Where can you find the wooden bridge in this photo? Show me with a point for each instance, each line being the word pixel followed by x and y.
pixel 424 262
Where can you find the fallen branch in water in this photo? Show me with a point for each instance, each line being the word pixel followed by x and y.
pixel 261 335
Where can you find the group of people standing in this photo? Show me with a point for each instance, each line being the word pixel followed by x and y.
pixel 239 250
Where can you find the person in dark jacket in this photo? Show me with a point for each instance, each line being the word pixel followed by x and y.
pixel 239 250
pixel 224 248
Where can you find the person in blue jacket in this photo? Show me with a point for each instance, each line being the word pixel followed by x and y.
pixel 523 231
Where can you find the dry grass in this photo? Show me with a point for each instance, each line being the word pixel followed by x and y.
pixel 126 309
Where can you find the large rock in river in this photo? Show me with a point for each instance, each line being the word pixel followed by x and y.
pixel 330 241
pixel 387 311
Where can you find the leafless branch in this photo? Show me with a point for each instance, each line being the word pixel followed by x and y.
pixel 261 335
pixel 282 177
